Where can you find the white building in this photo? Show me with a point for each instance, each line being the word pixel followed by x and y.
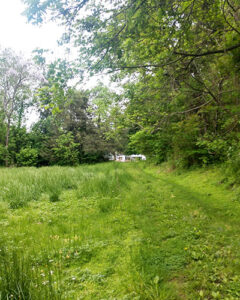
pixel 135 157
pixel 127 158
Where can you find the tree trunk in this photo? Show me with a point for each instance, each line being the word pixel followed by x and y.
pixel 7 142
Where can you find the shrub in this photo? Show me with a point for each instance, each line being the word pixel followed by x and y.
pixel 66 152
pixel 154 145
pixel 232 166
pixel 186 152
pixel 27 157
pixel 3 153
pixel 216 149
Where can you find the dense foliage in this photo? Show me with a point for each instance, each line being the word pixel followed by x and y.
pixel 123 231
pixel 73 126
pixel 178 62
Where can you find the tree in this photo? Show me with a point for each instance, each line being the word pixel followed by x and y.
pixel 107 112
pixel 15 91
pixel 144 34
pixel 27 157
pixel 66 152
pixel 181 60
pixel 55 90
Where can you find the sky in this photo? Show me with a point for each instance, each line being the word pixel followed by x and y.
pixel 23 37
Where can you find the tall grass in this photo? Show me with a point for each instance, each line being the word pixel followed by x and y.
pixel 27 274
pixel 117 231
pixel 22 278
pixel 107 182
pixel 18 186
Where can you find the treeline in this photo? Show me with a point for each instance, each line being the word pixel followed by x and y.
pixel 70 126
pixel 179 62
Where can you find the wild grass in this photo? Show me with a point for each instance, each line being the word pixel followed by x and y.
pixel 117 231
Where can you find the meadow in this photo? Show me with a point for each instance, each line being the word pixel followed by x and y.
pixel 118 231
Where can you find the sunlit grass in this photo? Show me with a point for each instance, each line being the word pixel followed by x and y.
pixel 117 231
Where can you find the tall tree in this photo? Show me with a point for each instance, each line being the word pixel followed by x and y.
pixel 181 60
pixel 15 77
pixel 144 34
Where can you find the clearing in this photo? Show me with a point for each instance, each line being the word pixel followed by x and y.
pixel 118 231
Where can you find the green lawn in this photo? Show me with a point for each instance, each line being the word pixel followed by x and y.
pixel 118 231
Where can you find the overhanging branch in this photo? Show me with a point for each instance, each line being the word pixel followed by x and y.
pixel 119 68
pixel 207 52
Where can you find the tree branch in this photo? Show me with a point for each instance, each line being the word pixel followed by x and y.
pixel 226 20
pixel 192 109
pixel 207 52
pixel 145 66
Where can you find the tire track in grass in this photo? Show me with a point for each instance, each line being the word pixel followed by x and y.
pixel 211 234
pixel 160 254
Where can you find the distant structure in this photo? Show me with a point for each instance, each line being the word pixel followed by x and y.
pixel 135 157
pixel 124 158
pixel 127 158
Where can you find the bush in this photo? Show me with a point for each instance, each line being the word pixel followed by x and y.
pixel 66 150
pixel 27 157
pixel 216 149
pixel 186 152
pixel 155 145
pixel 3 153
pixel 232 165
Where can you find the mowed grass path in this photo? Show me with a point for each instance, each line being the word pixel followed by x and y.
pixel 118 231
